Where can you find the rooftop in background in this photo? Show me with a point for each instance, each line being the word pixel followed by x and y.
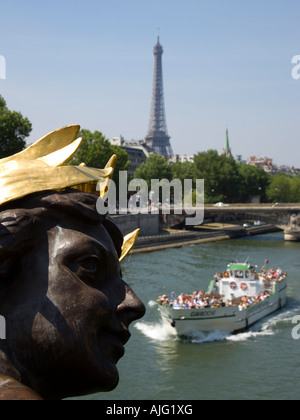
pixel 267 165
pixel 136 149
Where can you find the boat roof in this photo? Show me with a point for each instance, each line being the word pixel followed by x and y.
pixel 239 266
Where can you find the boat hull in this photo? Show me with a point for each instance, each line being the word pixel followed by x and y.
pixel 225 319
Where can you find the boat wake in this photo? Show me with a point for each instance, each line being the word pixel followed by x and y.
pixel 268 326
pixel 157 331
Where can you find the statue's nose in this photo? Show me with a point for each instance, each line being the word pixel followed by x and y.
pixel 131 309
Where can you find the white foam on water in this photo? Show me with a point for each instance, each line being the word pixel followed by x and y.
pixel 198 337
pixel 156 331
pixel 152 303
pixel 247 335
pixel 162 332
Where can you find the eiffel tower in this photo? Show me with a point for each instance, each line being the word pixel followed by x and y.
pixel 157 138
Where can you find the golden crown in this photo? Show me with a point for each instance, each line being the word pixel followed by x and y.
pixel 40 167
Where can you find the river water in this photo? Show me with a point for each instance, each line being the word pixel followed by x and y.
pixel 262 363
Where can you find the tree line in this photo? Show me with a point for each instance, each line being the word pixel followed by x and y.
pixel 225 179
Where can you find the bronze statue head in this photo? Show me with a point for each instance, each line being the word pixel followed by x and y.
pixel 66 306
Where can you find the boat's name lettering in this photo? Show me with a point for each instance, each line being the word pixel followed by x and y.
pixel 203 313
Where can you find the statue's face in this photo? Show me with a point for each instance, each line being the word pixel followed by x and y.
pixel 68 317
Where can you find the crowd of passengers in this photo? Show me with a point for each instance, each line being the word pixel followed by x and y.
pixel 265 274
pixel 199 299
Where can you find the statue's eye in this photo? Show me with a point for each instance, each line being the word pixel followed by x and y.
pixel 89 264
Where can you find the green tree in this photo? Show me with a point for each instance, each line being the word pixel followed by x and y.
pixel 156 167
pixel 279 189
pixel 96 150
pixel 182 170
pixel 14 128
pixel 295 189
pixel 220 174
pixel 254 182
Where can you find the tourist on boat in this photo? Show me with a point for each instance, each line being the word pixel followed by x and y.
pixel 271 272
pixel 176 304
pixel 181 298
pixel 201 303
pixel 198 299
pixel 163 300
pixel 213 300
pixel 217 277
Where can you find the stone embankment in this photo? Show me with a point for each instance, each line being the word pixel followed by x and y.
pixel 176 239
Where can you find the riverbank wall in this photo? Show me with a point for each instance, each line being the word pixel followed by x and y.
pixel 177 239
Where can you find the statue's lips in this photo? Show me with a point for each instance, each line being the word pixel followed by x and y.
pixel 115 342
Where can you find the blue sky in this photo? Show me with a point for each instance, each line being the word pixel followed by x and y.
pixel 226 64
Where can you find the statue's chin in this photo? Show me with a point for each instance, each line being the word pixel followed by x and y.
pixel 109 384
pixel 80 389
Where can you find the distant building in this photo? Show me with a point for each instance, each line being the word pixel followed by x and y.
pixel 136 150
pixel 267 165
pixel 182 158
pixel 264 163
pixel 226 150
pixel 289 170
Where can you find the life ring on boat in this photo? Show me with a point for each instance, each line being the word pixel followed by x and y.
pixel 244 286
pixel 233 285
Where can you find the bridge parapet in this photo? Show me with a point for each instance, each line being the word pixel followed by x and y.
pixel 286 217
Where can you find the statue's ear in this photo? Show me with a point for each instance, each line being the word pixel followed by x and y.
pixel 15 227
pixel 15 233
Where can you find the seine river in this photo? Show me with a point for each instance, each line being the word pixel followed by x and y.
pixel 262 363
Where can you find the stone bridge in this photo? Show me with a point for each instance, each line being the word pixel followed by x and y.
pixel 286 217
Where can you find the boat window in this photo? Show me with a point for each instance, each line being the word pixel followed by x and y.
pixel 239 274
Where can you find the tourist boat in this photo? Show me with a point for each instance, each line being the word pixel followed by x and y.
pixel 241 297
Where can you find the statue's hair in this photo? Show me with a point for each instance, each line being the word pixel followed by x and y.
pixel 21 222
